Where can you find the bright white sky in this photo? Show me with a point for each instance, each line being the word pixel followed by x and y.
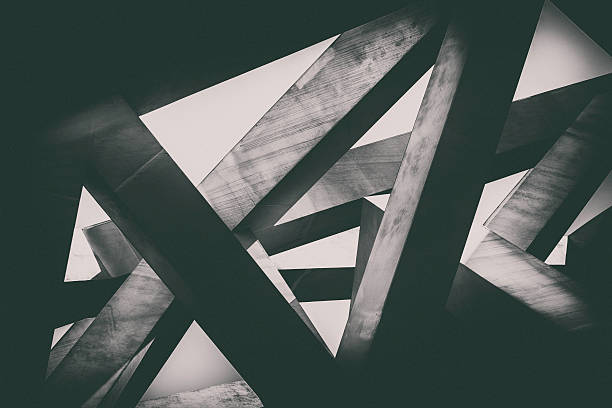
pixel 200 129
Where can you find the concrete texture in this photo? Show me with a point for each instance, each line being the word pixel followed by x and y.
pixel 322 115
pixel 137 184
pixel 532 126
pixel 233 395
pixel 543 206
pixel 415 254
pixel 112 251
pixel 110 340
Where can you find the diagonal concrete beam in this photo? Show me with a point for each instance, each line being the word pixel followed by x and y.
pixel 532 127
pixel 137 184
pixel 142 369
pixel 371 218
pixel 318 284
pixel 315 226
pixel 112 251
pixel 336 100
pixel 537 213
pixel 422 234
pixel 591 17
pixel 110 340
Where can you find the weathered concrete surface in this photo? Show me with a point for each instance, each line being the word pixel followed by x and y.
pixel 451 146
pixel 371 218
pixel 233 395
pixel 532 126
pixel 322 115
pixel 415 255
pixel 312 227
pixel 111 339
pixel 138 185
pixel 317 284
pixel 139 373
pixel 65 344
pixel 112 251
pixel 541 208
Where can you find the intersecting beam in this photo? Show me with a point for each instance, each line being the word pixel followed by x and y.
pixel 112 251
pixel 142 369
pixel 318 284
pixel 74 301
pixel 426 221
pixel 207 269
pixel 315 226
pixel 522 313
pixel 65 344
pixel 348 88
pixel 236 394
pixel 537 213
pixel 532 126
pixel 111 339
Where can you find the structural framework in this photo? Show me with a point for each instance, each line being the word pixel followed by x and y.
pixel 424 329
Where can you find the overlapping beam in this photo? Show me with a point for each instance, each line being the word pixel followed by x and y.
pixel 423 231
pixel 532 126
pixel 137 184
pixel 548 199
pixel 110 340
pixel 335 101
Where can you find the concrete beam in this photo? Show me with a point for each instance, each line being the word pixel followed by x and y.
pixel 541 208
pixel 137 184
pixel 532 325
pixel 532 127
pixel 371 218
pixel 416 253
pixel 111 340
pixel 322 115
pixel 142 369
pixel 318 284
pixel 315 226
pixel 112 251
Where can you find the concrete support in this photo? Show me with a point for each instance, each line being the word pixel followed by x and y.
pixel 111 340
pixel 322 115
pixel 113 252
pixel 312 227
pixel 542 207
pixel 416 252
pixel 532 127
pixel 137 184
